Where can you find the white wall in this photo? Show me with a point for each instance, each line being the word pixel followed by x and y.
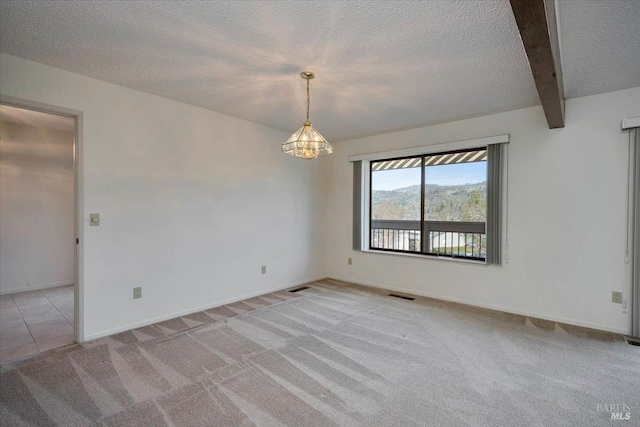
pixel 567 214
pixel 37 208
pixel 192 202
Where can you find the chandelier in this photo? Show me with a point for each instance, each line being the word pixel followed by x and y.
pixel 306 142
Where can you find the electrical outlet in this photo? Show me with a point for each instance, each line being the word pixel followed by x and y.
pixel 137 292
pixel 264 269
pixel 616 297
pixel 350 261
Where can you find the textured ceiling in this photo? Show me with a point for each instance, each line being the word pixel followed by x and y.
pixel 600 45
pixel 380 66
pixel 35 118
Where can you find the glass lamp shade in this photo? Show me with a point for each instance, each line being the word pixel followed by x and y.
pixel 307 143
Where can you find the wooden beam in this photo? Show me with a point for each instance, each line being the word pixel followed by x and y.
pixel 538 27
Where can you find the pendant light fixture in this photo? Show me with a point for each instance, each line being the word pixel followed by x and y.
pixel 306 142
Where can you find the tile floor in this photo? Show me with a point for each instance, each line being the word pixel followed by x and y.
pixel 35 321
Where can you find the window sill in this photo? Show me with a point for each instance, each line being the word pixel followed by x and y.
pixel 429 257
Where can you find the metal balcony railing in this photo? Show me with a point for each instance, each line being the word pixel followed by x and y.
pixel 446 238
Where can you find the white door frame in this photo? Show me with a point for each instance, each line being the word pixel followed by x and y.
pixel 78 317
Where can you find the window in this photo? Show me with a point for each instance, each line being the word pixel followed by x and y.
pixel 434 204
pixel 444 203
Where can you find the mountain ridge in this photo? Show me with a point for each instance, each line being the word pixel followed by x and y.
pixel 461 202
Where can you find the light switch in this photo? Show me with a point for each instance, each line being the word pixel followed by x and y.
pixel 94 219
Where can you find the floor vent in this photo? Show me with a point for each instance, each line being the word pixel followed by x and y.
pixel 401 296
pixel 634 342
pixel 299 289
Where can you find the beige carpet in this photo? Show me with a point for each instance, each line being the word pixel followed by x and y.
pixel 334 354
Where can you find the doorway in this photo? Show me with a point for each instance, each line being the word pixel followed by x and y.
pixel 38 230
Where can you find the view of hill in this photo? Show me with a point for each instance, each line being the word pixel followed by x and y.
pixel 466 202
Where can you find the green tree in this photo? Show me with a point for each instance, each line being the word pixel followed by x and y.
pixel 475 209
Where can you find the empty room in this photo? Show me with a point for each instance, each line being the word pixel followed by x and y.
pixel 327 213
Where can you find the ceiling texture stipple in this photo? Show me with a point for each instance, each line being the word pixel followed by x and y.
pixel 600 45
pixel 381 66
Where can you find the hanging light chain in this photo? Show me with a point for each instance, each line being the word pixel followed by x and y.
pixel 308 102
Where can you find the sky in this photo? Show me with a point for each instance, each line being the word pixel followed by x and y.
pixel 464 173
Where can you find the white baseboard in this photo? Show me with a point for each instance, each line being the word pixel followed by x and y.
pixel 359 282
pixel 621 331
pixel 195 310
pixel 33 288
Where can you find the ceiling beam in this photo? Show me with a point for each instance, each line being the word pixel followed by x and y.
pixel 538 27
